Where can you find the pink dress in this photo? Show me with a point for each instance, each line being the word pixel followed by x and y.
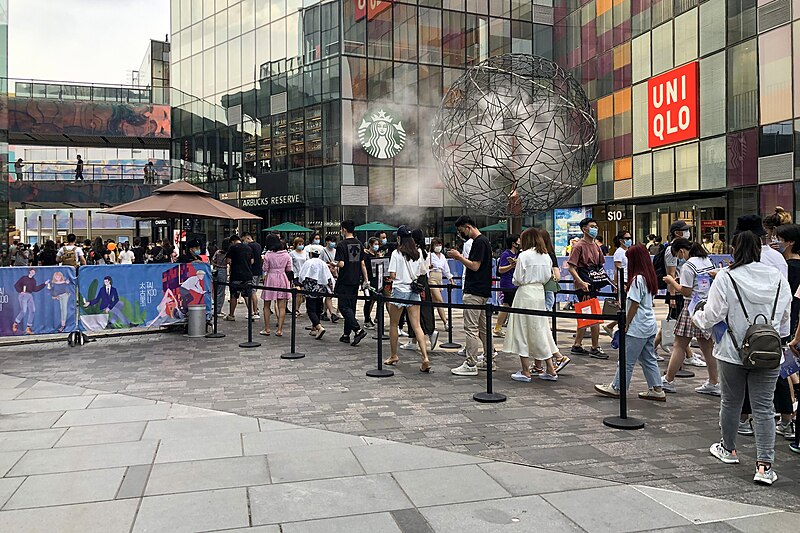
pixel 275 267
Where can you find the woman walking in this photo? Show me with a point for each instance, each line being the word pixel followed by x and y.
pixel 640 335
pixel 405 267
pixel 695 282
pixel 530 336
pixel 371 251
pixel 740 293
pixel 315 277
pixel 439 271
pixel 622 241
pixel 505 268
pixel 299 257
pixel 275 265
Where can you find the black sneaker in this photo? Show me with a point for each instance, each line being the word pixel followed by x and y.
pixel 335 318
pixel 597 353
pixel 325 318
pixel 359 337
pixel 345 339
pixel 369 325
pixel 579 350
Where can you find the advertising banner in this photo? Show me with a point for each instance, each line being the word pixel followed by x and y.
pixel 37 300
pixel 673 106
pixel 566 226
pixel 140 296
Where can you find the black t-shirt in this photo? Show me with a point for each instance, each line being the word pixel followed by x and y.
pixel 351 251
pixel 794 283
pixel 255 249
pixel 240 255
pixel 479 282
pixel 138 255
pixel 48 258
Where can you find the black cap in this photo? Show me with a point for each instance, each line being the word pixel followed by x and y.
pixel 194 243
pixel 403 231
pixel 750 223
pixel 678 225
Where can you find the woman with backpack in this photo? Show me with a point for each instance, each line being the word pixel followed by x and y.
pixel 695 282
pixel 746 306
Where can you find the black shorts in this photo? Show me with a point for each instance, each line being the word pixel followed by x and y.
pixel 508 297
pixel 240 288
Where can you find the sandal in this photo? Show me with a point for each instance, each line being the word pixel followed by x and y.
pixel 279 334
pixel 392 361
pixel 264 332
pixel 425 369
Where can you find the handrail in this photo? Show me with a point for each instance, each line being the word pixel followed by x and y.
pixel 40 171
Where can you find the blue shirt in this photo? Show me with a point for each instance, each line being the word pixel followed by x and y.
pixel 643 324
pixel 506 279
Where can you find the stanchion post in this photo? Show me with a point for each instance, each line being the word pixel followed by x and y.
pixel 292 354
pixel 380 372
pixel 488 356
pixel 450 345
pixel 553 322
pixel 248 288
pixel 622 421
pixel 215 334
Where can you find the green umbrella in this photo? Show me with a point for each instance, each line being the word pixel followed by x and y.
pixel 500 226
pixel 288 227
pixel 375 226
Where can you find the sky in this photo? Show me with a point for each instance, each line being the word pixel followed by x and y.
pixel 82 40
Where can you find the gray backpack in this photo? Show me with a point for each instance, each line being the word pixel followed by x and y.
pixel 761 348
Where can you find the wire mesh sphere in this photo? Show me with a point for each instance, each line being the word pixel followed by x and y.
pixel 514 136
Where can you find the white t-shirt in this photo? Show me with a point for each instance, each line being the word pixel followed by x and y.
pixel 126 257
pixel 77 249
pixel 774 258
pixel 405 271
pixel 619 257
pixel 696 273
pixel 644 323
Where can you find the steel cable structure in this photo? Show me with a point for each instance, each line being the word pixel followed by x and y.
pixel 514 136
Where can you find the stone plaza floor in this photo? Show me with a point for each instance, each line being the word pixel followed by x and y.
pixel 164 433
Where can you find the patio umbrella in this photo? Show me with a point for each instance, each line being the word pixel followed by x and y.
pixel 500 226
pixel 178 200
pixel 375 226
pixel 288 227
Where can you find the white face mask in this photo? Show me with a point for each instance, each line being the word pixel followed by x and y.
pixel 437 249
pixel 687 234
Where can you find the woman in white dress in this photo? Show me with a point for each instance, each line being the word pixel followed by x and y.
pixel 528 335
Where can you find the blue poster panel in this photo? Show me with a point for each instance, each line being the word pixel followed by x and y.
pixel 140 296
pixel 37 300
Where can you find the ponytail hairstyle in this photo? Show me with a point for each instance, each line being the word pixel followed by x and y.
pixel 641 264
pixel 695 249
pixel 779 218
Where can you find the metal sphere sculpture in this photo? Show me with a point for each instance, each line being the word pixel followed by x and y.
pixel 514 136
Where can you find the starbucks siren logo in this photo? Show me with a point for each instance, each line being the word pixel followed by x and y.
pixel 381 135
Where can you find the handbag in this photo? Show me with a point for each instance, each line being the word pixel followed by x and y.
pixel 594 275
pixel 610 307
pixel 416 285
pixel 552 286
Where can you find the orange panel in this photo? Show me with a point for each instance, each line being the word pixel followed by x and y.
pixel 622 101
pixel 623 169
pixel 602 6
pixel 605 107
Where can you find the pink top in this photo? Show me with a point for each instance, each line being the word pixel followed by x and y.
pixel 275 267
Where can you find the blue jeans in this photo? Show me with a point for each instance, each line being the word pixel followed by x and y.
pixel 27 309
pixel 549 300
pixel 642 350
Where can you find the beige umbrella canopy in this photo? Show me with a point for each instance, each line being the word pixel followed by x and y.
pixel 180 200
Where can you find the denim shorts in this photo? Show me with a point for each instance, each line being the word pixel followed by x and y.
pixel 402 295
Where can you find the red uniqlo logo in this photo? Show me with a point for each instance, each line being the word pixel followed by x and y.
pixel 371 8
pixel 673 106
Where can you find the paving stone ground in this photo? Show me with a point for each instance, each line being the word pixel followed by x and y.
pixel 556 426
pixel 82 460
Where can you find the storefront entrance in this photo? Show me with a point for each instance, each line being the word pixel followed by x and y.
pixel 705 216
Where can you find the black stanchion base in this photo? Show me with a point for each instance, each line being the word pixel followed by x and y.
pixel 214 335
pixel 249 344
pixel 292 355
pixel 489 397
pixel 380 373
pixel 623 423
pixel 684 374
pixel 450 345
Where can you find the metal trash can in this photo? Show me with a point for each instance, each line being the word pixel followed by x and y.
pixel 197 321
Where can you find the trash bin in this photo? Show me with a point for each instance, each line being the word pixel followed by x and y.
pixel 197 321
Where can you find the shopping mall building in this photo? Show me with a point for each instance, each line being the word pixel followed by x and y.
pixel 695 104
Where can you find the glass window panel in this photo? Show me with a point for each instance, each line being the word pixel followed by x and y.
pixel 379 82
pixel 796 61
pixel 640 120
pixel 775 75
pixel 249 67
pixel 712 95
pixel 662 44
pixel 430 85
pixel 381 186
pixel 379 35
pixel 687 167
pixel 686 37
pixel 234 21
pixel 712 26
pixel 477 39
pixel 430 36
pixel 742 87
pixel 521 10
pixel 640 51
pixel 741 20
pixel 221 27
pixel 262 10
pixel 197 72
pixel 186 76
pixel 234 63
pixel 640 17
pixel 355 32
pixel 248 15
pixel 208 8
pixel 354 78
pixel 776 139
pixel 208 73
pixel 221 62
pixel 278 40
pixel 661 10
pixel 742 158
pixel 712 163
pixel 643 174
pixel 778 194
pixel 521 37
pixel 543 40
pixel 186 13
pixel 453 32
pixel 499 37
pixel 197 38
pixel 663 171
pixel 331 38
pixel 405 32
pixel 277 9
pixel 208 33
pixel 405 83
pixel 294 37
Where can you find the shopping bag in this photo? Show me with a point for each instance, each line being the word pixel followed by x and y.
pixel 610 307
pixel 667 334
pixel 589 307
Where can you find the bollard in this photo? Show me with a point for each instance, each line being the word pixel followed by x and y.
pixel 215 334
pixel 292 354
pixel 489 396
pixel 553 325
pixel 622 421
pixel 249 344
pixel 380 372
pixel 450 345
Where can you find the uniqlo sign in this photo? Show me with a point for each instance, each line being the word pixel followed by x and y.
pixel 371 8
pixel 673 106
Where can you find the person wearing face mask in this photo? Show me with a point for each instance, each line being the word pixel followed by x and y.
pixel 299 255
pixel 315 245
pixel 191 252
pixel 328 255
pixel 386 247
pixel 439 271
pixel 585 258
pixel 371 251
pixel 678 230
pixel 622 241
pixel 352 275
pixel 505 269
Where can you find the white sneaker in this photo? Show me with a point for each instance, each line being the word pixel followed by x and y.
pixel 668 386
pixel 462 352
pixel 410 346
pixel 229 318
pixel 718 451
pixel 401 333
pixel 256 317
pixel 482 364
pixel 708 388
pixel 695 360
pixel 465 370
pixel 765 475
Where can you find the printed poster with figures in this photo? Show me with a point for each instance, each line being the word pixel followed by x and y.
pixel 140 296
pixel 37 300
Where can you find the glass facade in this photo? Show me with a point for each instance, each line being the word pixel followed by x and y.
pixel 280 89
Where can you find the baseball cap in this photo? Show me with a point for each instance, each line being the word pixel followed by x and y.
pixel 678 225
pixel 403 231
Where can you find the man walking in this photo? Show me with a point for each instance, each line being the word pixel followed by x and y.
pixel 255 270
pixel 71 254
pixel 79 169
pixel 352 275
pixel 586 257
pixel 239 259
pixel 477 291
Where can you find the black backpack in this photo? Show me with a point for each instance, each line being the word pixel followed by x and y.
pixel 660 265
pixel 761 347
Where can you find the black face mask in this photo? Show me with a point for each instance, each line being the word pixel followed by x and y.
pixel 463 236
